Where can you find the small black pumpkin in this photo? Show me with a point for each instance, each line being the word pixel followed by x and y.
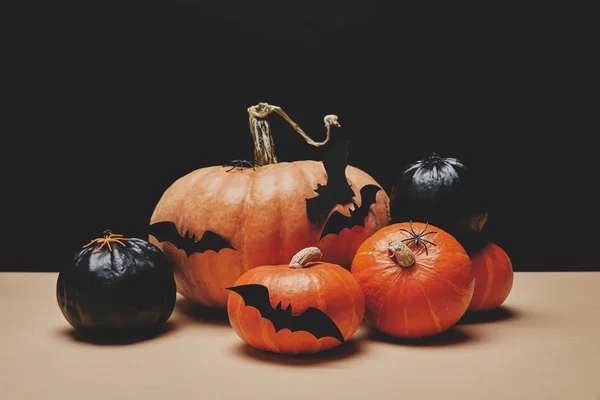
pixel 117 284
pixel 441 191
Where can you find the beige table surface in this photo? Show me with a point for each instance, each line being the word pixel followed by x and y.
pixel 543 344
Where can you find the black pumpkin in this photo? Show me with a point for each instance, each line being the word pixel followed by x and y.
pixel 441 191
pixel 117 284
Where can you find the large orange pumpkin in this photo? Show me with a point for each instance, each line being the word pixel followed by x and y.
pixel 217 222
pixel 305 306
pixel 417 279
pixel 493 277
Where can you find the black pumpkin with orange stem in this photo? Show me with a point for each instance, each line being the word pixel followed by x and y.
pixel 116 284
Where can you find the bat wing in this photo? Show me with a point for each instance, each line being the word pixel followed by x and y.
pixel 336 190
pixel 318 323
pixel 338 221
pixel 368 196
pixel 211 241
pixel 335 165
pixel 166 231
pixel 317 208
pixel 312 320
pixel 256 296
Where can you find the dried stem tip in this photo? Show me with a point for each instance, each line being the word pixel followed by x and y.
pixel 304 256
pixel 401 253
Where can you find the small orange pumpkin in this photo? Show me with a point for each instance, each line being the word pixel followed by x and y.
pixel 493 277
pixel 416 278
pixel 304 307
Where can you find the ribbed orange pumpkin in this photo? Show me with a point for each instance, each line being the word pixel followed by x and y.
pixel 416 278
pixel 305 306
pixel 493 277
pixel 256 216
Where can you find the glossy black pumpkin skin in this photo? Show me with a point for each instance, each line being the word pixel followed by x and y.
pixel 441 191
pixel 127 287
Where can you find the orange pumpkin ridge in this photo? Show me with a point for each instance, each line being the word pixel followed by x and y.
pixel 417 279
pixel 493 277
pixel 298 287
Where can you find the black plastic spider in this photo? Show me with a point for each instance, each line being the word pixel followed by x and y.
pixel 417 238
pixel 240 164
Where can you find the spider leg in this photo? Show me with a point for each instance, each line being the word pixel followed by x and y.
pixel 426 251
pixel 426 226
pixel 416 243
pixel 90 243
pixel 411 228
pixel 427 241
pixel 428 233
pixel 101 246
pixel 408 241
pixel 406 230
pixel 249 163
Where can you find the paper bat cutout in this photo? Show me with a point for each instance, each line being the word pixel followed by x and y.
pixel 312 320
pixel 336 190
pixel 166 231
pixel 338 221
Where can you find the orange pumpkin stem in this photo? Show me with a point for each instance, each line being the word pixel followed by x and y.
pixel 264 148
pixel 304 256
pixel 108 238
pixel 401 253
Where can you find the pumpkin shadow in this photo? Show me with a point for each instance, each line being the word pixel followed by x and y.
pixel 350 348
pixel 501 313
pixel 200 313
pixel 450 337
pixel 119 338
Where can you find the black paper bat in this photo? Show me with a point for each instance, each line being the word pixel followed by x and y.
pixel 312 320
pixel 336 190
pixel 166 231
pixel 338 221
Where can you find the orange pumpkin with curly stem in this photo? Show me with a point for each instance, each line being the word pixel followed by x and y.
pixel 304 307
pixel 217 222
pixel 417 279
pixel 493 277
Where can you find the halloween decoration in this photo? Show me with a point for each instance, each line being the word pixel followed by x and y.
pixel 337 190
pixel 305 306
pixel 493 277
pixel 167 232
pixel 338 221
pixel 312 320
pixel 116 284
pixel 240 164
pixel 442 191
pixel 416 278
pixel 262 212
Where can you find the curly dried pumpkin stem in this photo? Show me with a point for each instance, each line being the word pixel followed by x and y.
pixel 304 256
pixel 401 253
pixel 264 148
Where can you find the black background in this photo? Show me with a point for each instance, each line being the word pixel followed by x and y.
pixel 110 102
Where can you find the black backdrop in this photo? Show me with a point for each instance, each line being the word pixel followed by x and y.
pixel 110 102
